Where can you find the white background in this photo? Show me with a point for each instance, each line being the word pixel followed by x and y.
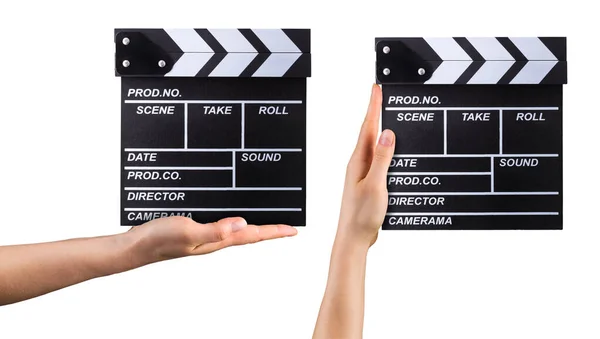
pixel 59 178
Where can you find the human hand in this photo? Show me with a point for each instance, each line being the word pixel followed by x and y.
pixel 174 237
pixel 364 202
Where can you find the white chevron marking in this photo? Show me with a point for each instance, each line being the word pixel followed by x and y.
pixel 189 41
pixel 490 49
pixel 447 49
pixel 533 48
pixel 233 64
pixel 276 41
pixel 534 72
pixel 491 72
pixel 232 40
pixel 189 64
pixel 276 65
pixel 448 72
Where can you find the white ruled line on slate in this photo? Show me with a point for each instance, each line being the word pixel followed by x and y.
pixel 469 193
pixel 213 188
pixel 213 209
pixel 475 155
pixel 213 149
pixel 470 108
pixel 470 213
pixel 149 168
pixel 281 102
pixel 439 173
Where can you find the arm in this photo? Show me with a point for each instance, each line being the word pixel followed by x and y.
pixel 28 271
pixel 364 204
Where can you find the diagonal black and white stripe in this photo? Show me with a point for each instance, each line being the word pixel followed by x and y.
pixel 234 52
pixel 231 52
pixel 489 60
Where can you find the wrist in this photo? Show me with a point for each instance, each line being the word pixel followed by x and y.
pixel 130 251
pixel 106 255
pixel 357 237
pixel 347 242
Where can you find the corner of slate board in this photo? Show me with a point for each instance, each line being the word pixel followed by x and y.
pixel 213 124
pixel 478 123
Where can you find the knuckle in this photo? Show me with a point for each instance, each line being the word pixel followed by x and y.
pixel 350 165
pixel 185 226
pixel 373 189
pixel 221 233
pixel 187 235
pixel 381 155
pixel 181 220
pixel 255 237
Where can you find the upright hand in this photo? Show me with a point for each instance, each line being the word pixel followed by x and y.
pixel 364 202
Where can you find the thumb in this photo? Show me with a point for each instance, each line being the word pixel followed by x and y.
pixel 384 151
pixel 221 230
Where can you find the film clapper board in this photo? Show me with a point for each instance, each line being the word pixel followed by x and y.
pixel 478 123
pixel 213 124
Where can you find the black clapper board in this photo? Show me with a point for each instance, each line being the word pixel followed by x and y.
pixel 478 123
pixel 213 124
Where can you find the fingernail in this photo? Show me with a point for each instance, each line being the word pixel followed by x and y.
pixel 238 225
pixel 386 138
pixel 373 88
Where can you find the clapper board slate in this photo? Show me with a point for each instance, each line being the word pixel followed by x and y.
pixel 478 123
pixel 213 124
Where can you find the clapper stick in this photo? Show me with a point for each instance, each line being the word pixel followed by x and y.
pixel 213 124
pixel 479 131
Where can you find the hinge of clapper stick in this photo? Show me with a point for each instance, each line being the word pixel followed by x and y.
pixel 471 60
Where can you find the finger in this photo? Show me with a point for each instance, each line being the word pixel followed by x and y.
pixel 384 151
pixel 369 129
pixel 253 234
pixel 363 153
pixel 249 235
pixel 219 231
